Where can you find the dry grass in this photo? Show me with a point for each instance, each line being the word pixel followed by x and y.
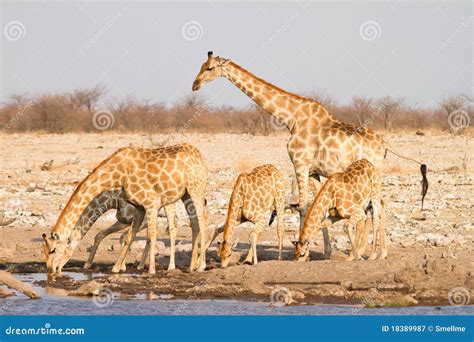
pixel 74 112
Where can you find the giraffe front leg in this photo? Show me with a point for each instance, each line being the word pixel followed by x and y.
pixel 151 213
pixel 383 246
pixel 254 235
pixel 117 226
pixel 357 220
pixel 170 212
pixel 146 250
pixel 137 221
pixel 281 226
pixel 196 235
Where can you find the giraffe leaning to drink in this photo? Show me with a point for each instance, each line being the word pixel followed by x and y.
pixel 320 145
pixel 347 195
pixel 116 199
pixel 151 179
pixel 257 197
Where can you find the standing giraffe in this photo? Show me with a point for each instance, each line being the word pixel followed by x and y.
pixel 320 145
pixel 116 199
pixel 349 193
pixel 256 196
pixel 151 179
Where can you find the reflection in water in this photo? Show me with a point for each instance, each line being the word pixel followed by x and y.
pixel 56 302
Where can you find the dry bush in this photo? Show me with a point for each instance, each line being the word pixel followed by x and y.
pixel 73 112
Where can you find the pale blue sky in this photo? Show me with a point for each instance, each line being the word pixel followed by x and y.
pixel 422 51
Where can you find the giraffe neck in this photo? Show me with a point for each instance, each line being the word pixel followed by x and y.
pixel 95 183
pixel 95 209
pixel 316 214
pixel 234 207
pixel 281 104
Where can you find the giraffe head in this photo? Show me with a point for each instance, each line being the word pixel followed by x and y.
pixel 57 253
pixel 210 70
pixel 301 250
pixel 224 251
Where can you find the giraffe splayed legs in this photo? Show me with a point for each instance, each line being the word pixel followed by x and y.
pixel 349 193
pixel 151 179
pixel 255 195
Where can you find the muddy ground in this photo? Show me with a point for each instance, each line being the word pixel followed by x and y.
pixel 430 252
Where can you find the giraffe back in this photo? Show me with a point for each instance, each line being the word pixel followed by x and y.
pixel 356 186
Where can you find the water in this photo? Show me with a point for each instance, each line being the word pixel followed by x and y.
pixel 59 304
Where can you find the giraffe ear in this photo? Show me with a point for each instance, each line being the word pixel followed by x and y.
pixel 209 54
pixel 225 62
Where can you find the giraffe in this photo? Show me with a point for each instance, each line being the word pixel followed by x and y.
pixel 116 199
pixel 151 179
pixel 254 196
pixel 320 145
pixel 348 193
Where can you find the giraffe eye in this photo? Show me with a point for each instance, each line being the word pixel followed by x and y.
pixel 210 69
pixel 54 250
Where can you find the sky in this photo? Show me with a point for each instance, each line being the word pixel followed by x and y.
pixel 417 50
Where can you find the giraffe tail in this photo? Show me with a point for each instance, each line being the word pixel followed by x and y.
pixel 272 217
pixel 423 170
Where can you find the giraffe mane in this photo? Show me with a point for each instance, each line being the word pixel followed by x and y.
pixel 79 187
pixel 278 89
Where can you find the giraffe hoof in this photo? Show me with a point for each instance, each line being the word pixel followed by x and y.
pixel 171 267
pixel 372 257
pixel 87 266
pixel 350 258
pixel 115 270
pixel 247 262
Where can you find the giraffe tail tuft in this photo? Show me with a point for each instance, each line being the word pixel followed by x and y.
pixel 272 217
pixel 424 183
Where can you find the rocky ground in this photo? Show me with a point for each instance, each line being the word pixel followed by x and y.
pixel 430 252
